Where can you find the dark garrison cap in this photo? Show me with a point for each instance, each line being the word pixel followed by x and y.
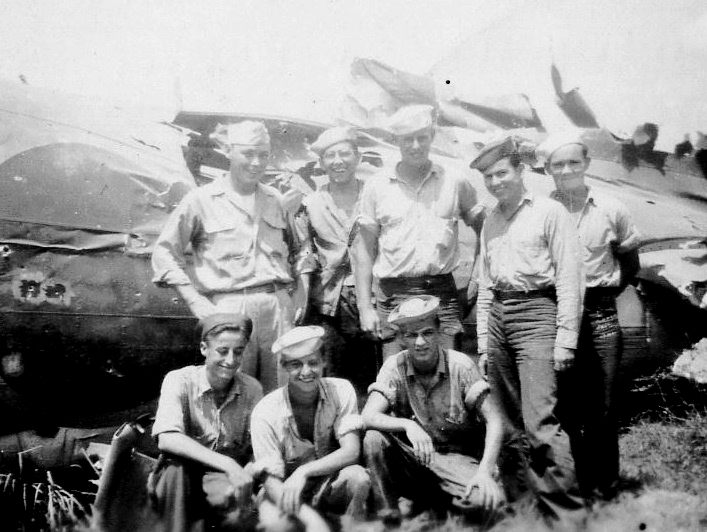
pixel 237 321
pixel 494 152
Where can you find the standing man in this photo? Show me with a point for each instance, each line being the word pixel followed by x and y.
pixel 610 243
pixel 530 298
pixel 424 434
pixel 325 223
pixel 408 236
pixel 306 433
pixel 202 430
pixel 241 244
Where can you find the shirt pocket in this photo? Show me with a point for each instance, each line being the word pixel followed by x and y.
pixel 272 233
pixel 227 240
pixel 438 231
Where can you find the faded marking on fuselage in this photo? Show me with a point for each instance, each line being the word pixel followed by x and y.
pixel 36 288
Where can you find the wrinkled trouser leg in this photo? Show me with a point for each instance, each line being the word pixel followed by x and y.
pixel 599 361
pixel 395 472
pixel 521 374
pixel 175 492
pixel 346 491
pixel 272 315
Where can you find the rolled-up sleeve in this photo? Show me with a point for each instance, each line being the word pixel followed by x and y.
pixel 170 408
pixel 347 419
pixel 388 381
pixel 266 445
pixel 564 245
pixel 472 212
pixel 168 256
pixel 367 218
pixel 629 238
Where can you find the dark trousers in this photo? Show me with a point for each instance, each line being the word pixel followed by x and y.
pixel 348 351
pixel 395 290
pixel 588 396
pixel 187 498
pixel 520 356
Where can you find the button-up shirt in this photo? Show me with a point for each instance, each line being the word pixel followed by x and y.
pixel 533 248
pixel 417 225
pixel 326 229
pixel 235 245
pixel 605 228
pixel 441 409
pixel 187 405
pixel 277 444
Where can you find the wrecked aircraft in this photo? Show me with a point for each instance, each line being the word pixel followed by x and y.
pixel 85 337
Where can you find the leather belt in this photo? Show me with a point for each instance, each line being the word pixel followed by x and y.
pixel 504 295
pixel 265 288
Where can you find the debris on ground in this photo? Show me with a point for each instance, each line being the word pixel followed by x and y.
pixel 692 363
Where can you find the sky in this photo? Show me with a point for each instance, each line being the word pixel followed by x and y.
pixel 292 57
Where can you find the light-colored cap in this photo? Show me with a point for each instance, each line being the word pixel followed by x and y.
pixel 410 119
pixel 236 321
pixel 414 309
pixel 494 152
pixel 248 133
pixel 555 141
pixel 333 136
pixel 299 342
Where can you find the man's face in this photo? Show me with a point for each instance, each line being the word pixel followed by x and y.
pixel 421 339
pixel 504 181
pixel 224 354
pixel 339 161
pixel 415 147
pixel 567 165
pixel 304 372
pixel 248 163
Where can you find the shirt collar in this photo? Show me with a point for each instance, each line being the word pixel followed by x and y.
pixel 324 395
pixel 203 386
pixel 441 363
pixel 435 172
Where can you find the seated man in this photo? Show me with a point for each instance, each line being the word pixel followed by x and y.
pixel 202 426
pixel 306 432
pixel 423 435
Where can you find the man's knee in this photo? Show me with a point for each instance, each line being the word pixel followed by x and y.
pixel 357 479
pixel 374 443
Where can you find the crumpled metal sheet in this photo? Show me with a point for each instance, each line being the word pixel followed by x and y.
pixel 82 173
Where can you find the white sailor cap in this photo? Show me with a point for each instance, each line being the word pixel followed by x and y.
pixel 332 136
pixel 410 119
pixel 414 309
pixel 248 133
pixel 299 342
pixel 555 141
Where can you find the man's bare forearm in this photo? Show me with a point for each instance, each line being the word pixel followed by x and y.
pixel 182 445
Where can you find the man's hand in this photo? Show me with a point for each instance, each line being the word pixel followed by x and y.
pixel 564 358
pixel 242 485
pixel 292 491
pixel 370 322
pixel 421 443
pixel 483 364
pixel 489 496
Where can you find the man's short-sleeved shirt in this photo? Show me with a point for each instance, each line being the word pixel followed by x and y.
pixel 417 226
pixel 187 405
pixel 327 231
pixel 277 444
pixel 235 244
pixel 442 409
pixel 605 228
